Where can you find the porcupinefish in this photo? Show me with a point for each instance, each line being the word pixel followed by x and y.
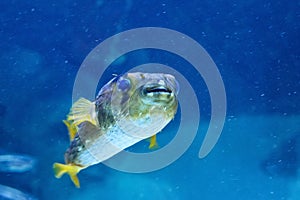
pixel 128 109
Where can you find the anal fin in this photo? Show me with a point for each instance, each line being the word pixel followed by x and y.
pixel 153 143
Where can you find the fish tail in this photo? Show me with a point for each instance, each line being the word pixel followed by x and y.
pixel 72 170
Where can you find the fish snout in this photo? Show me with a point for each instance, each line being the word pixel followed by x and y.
pixel 157 94
pixel 172 83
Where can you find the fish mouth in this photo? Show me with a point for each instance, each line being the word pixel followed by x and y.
pixel 157 90
pixel 157 95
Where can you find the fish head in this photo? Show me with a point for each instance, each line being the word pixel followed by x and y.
pixel 159 91
pixel 146 99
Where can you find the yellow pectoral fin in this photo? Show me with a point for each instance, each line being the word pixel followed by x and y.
pixel 81 111
pixel 153 144
pixel 72 170
pixel 71 128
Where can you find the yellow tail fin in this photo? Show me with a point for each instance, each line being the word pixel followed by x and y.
pixel 72 170
pixel 83 110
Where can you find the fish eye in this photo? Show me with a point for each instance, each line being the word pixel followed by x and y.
pixel 123 84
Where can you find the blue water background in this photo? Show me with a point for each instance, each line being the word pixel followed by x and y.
pixel 255 45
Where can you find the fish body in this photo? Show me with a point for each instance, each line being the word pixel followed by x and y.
pixel 128 109
pixel 16 163
pixel 10 193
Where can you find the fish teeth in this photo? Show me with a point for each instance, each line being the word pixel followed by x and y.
pixel 161 82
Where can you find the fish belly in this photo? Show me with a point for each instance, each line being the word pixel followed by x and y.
pixel 122 135
pixel 106 146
